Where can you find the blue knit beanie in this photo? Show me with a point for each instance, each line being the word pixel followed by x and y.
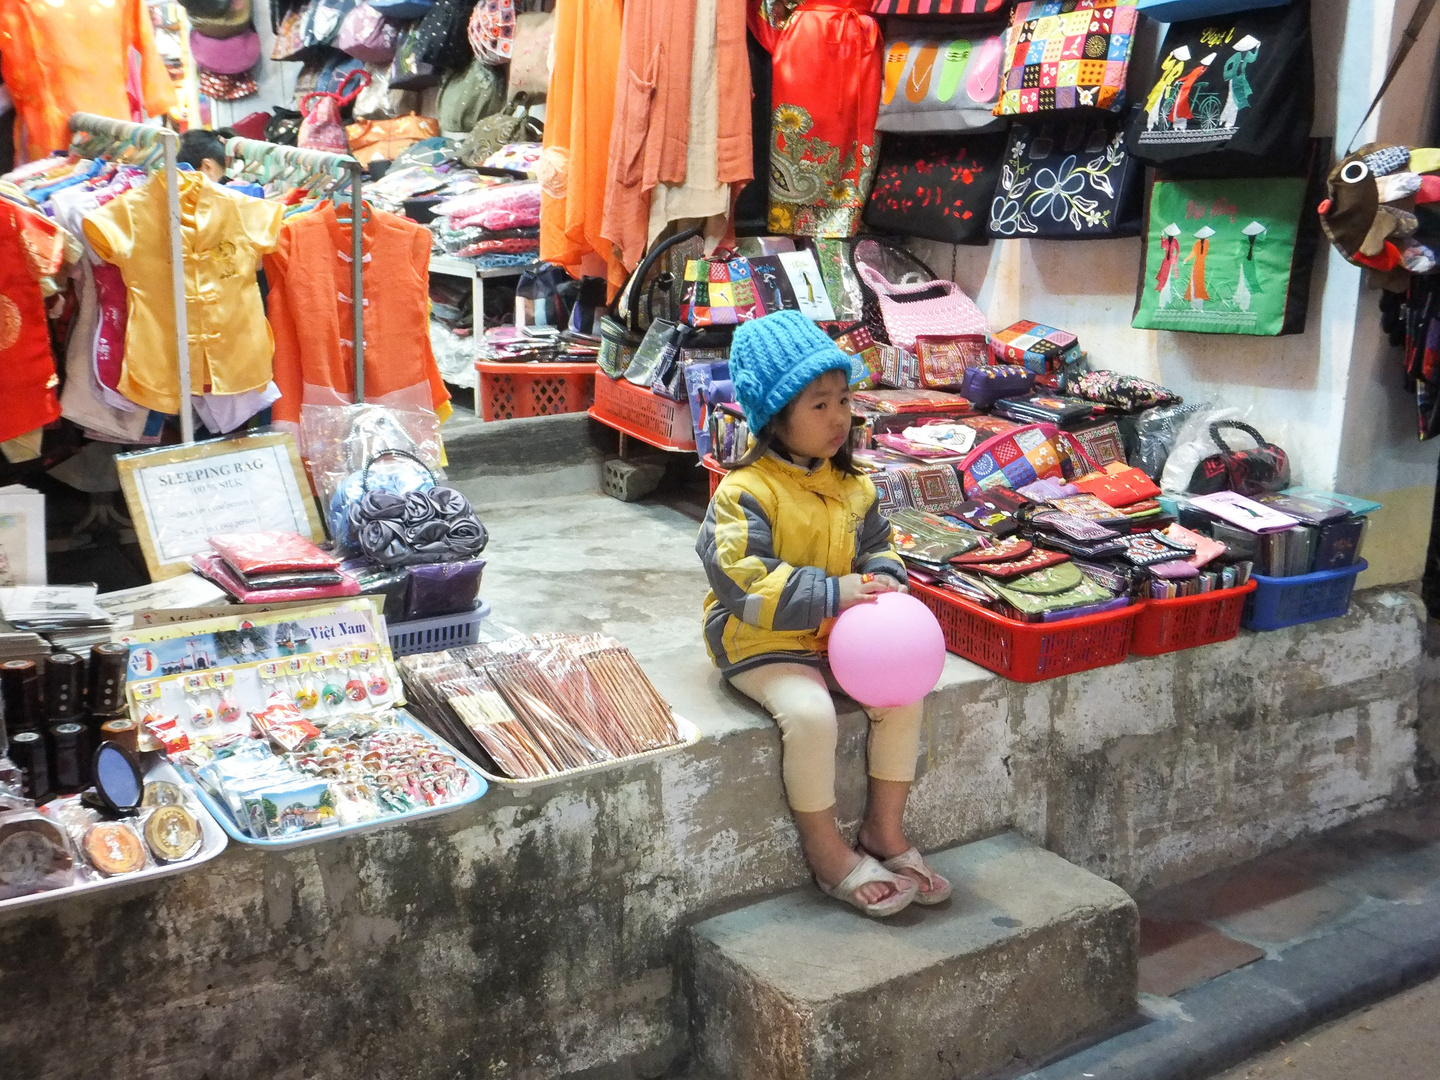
pixel 774 358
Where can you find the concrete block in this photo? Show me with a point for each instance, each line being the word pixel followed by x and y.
pixel 1030 953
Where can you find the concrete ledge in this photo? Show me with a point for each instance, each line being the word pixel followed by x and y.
pixel 1029 953
pixel 536 934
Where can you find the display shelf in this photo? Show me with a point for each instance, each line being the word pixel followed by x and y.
pixel 454 267
pixel 227 822
pixel 213 842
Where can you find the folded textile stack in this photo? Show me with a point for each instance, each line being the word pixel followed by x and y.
pixel 496 226
pixel 270 567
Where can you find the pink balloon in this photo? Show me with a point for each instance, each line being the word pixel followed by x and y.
pixel 887 653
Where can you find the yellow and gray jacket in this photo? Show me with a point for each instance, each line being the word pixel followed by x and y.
pixel 776 541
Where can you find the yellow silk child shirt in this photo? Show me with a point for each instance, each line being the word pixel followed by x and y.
pixel 224 234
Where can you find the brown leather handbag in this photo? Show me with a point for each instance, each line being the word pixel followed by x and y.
pixel 372 139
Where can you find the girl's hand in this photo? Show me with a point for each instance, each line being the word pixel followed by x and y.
pixel 864 588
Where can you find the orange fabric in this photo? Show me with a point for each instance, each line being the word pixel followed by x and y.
pixel 650 133
pixel 31 247
pixel 311 313
pixel 736 154
pixel 64 56
pixel 579 113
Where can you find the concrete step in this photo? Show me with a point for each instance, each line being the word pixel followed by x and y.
pixel 1029 954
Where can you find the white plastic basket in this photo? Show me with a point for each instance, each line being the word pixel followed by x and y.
pixel 440 632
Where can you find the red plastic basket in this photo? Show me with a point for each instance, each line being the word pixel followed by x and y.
pixel 1166 626
pixel 716 470
pixel 510 390
pixel 1030 652
pixel 637 412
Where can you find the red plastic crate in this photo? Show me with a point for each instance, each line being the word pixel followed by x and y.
pixel 716 470
pixel 637 412
pixel 506 391
pixel 1166 626
pixel 1030 652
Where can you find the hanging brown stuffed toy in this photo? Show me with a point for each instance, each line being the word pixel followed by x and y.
pixel 1370 210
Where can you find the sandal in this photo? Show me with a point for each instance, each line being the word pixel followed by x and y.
pixel 939 889
pixel 866 872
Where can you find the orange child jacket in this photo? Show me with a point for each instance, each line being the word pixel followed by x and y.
pixel 64 56
pixel 312 316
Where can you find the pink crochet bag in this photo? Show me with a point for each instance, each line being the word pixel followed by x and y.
pixel 924 308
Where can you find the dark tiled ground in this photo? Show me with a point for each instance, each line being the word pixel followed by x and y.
pixel 1196 931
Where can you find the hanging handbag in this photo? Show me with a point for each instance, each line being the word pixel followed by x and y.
pixel 1069 178
pixel 622 332
pixel 470 96
pixel 408 71
pixel 321 129
pixel 1231 256
pixel 225 56
pixel 933 307
pixel 367 35
pixel 529 59
pixel 657 351
pixel 1067 54
pixel 440 35
pixel 719 291
pixel 372 140
pixel 939 82
pixel 283 128
pixel 936 187
pixel 1169 11
pixel 335 75
pixel 1256 471
pixel 494 132
pixel 402 10
pixel 1234 96
pixel 379 101
pixel 492 30
pixel 891 262
pixel 323 26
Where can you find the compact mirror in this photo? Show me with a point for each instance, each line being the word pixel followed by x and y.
pixel 118 780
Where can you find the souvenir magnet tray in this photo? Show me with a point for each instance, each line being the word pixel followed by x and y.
pixel 226 822
pixel 212 842
pixel 689 736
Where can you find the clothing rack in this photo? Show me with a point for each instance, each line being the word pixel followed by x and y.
pixel 248 150
pixel 255 151
pixel 148 135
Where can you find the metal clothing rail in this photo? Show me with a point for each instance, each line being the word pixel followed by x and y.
pixel 255 151
pixel 147 135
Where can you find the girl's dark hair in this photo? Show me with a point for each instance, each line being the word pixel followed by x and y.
pixel 767 440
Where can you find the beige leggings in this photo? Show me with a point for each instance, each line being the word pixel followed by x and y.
pixel 797 696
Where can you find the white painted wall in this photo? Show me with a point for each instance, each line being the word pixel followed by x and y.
pixel 1331 396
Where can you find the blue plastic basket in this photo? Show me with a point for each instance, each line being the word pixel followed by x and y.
pixel 1289 601
pixel 441 632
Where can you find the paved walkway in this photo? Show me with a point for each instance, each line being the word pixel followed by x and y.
pixel 1398 1039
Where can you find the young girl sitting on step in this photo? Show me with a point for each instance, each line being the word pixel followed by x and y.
pixel 792 538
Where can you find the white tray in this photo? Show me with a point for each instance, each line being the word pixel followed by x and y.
pixel 689 736
pixel 226 822
pixel 212 843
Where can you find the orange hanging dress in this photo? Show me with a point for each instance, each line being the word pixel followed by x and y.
pixel 579 113
pixel 65 56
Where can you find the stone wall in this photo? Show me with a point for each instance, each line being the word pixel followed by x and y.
pixel 534 933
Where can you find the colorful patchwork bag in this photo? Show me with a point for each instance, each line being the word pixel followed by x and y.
pixel 1020 457
pixel 720 292
pixel 935 82
pixel 1037 347
pixel 1234 96
pixel 936 187
pixel 1231 256
pixel 1068 179
pixel 1067 54
pixel 944 361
